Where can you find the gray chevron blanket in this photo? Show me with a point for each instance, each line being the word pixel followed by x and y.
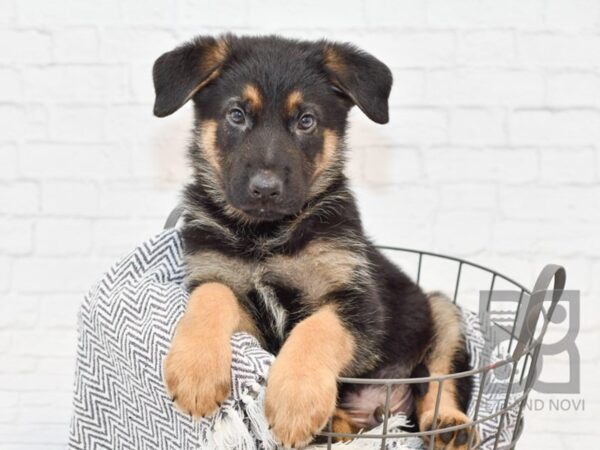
pixel 125 326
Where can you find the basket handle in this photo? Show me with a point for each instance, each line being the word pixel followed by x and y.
pixel 173 218
pixel 536 301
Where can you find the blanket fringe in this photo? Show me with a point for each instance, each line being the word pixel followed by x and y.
pixel 254 402
pixel 228 431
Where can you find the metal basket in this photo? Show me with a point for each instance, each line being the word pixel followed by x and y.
pixel 526 334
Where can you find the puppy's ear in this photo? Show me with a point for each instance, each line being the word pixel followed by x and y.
pixel 361 77
pixel 179 74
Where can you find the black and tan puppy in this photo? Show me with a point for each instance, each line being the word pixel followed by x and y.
pixel 275 247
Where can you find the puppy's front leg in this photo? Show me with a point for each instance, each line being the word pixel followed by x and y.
pixel 302 385
pixel 198 367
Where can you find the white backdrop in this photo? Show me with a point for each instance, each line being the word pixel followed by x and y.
pixel 492 153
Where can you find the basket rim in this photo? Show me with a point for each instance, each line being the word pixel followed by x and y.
pixel 457 259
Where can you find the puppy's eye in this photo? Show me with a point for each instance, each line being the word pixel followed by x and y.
pixel 237 116
pixel 307 122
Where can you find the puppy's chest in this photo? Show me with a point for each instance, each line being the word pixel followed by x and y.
pixel 279 289
pixel 318 269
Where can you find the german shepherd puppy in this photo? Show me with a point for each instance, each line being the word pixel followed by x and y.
pixel 274 244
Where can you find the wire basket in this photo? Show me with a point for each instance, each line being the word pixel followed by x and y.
pixel 513 344
pixel 516 348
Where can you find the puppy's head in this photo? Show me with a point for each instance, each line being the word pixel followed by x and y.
pixel 270 115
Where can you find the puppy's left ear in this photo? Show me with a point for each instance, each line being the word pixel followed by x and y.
pixel 179 74
pixel 361 77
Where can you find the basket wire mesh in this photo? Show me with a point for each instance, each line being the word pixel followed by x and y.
pixel 524 355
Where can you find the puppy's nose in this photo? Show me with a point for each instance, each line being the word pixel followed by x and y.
pixel 265 185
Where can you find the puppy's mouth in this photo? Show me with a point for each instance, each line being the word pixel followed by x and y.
pixel 262 210
pixel 266 214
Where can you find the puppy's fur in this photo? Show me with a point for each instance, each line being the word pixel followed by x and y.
pixel 275 247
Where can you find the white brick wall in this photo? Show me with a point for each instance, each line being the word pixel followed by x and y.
pixel 493 150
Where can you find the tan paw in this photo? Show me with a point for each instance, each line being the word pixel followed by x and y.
pixel 451 440
pixel 342 423
pixel 198 373
pixel 298 402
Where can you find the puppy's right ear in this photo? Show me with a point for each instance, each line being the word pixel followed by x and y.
pixel 179 74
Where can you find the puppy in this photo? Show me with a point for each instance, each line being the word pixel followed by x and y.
pixel 274 244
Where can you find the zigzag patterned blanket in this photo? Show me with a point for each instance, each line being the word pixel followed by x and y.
pixel 125 327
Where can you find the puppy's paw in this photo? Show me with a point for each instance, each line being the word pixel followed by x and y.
pixel 298 402
pixel 198 374
pixel 342 423
pixel 451 440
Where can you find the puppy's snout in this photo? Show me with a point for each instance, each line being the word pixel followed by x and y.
pixel 265 185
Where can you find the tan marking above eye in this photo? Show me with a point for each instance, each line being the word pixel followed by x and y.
pixel 293 101
pixel 252 95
